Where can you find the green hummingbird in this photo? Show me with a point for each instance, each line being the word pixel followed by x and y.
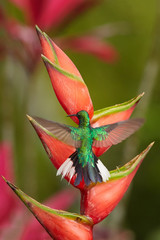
pixel 83 161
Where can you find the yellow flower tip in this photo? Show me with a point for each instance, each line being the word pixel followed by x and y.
pixel 147 149
pixel 4 178
pixel 141 95
pixel 29 118
pixel 39 32
pixel 151 145
pixel 13 187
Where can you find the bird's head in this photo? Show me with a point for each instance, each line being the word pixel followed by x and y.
pixel 83 117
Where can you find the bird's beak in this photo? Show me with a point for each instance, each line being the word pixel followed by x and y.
pixel 72 115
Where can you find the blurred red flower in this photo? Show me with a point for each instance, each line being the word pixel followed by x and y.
pixel 50 15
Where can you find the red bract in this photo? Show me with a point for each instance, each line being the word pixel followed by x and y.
pixel 33 230
pixel 59 224
pixel 98 201
pixel 67 82
pixel 119 112
pixel 8 203
pixel 55 153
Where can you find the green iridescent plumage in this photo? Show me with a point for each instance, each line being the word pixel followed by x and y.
pixel 83 161
pixel 86 134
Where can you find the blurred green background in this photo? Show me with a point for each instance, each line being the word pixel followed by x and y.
pixel 136 70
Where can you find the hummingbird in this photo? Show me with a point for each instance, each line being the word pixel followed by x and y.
pixel 83 162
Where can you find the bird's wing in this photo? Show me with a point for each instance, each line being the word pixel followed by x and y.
pixel 60 131
pixel 116 132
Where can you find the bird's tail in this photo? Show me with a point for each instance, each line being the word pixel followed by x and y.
pixel 96 173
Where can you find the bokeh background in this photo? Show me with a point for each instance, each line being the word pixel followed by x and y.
pixel 126 65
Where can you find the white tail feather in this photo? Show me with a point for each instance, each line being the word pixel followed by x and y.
pixel 66 169
pixel 62 167
pixel 71 173
pixel 103 171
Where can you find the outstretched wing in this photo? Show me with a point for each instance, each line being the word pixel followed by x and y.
pixel 116 132
pixel 60 131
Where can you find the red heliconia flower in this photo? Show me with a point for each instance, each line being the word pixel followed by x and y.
pixel 8 203
pixel 73 95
